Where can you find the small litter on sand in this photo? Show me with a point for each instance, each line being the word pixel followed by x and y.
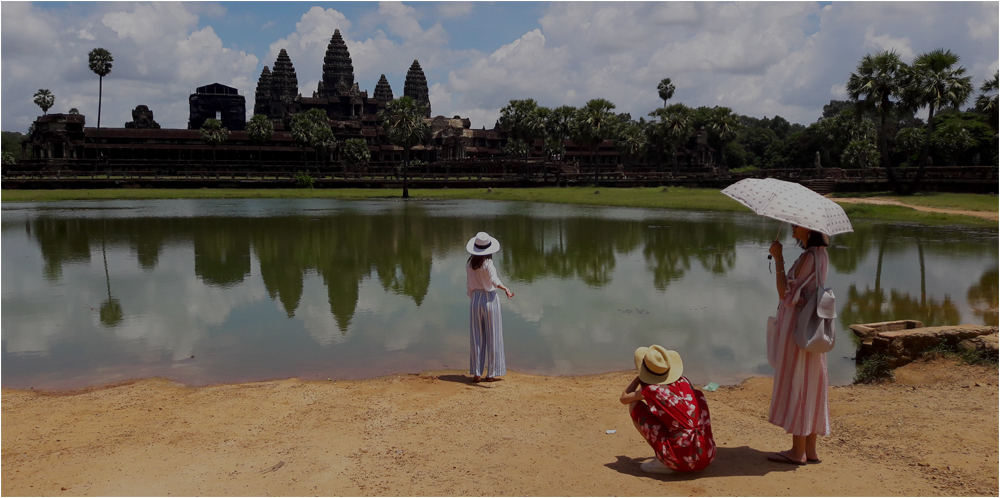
pixel 610 431
pixel 711 386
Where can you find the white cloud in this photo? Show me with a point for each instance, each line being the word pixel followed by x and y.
pixel 454 9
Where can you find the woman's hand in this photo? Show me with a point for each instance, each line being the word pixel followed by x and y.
pixel 510 293
pixel 775 251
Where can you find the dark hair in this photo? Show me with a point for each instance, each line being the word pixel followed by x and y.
pixel 476 261
pixel 815 239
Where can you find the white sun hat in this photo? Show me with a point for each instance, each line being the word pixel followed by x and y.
pixel 482 244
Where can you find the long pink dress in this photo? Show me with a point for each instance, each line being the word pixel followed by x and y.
pixel 799 396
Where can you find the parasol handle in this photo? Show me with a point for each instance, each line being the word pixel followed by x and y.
pixel 777 235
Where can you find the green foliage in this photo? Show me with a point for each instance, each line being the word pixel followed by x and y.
pixel 593 124
pixel 524 122
pixel 213 133
pixel 630 142
pixel 100 61
pixel 665 90
pixel 987 103
pixel 403 123
pixel 10 143
pixel 875 369
pixel 44 99
pixel 356 152
pixel 744 169
pixel 7 159
pixel 303 180
pixel 74 110
pixel 312 129
pixel 860 153
pixel 259 129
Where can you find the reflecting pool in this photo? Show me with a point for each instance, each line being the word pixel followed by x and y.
pixel 212 291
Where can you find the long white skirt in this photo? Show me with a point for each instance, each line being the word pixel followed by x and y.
pixel 486 356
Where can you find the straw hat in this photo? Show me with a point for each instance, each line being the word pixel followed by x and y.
pixel 657 365
pixel 482 244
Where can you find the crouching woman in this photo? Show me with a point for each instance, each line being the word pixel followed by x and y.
pixel 670 414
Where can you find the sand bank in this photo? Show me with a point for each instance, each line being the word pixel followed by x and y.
pixel 933 432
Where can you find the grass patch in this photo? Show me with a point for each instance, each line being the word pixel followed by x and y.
pixel 874 369
pixel 660 198
pixel 969 357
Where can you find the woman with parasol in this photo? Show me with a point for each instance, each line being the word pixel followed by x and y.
pixel 799 402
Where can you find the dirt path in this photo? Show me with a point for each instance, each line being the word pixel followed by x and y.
pixel 933 432
pixel 989 215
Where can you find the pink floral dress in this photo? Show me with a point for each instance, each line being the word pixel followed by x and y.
pixel 675 422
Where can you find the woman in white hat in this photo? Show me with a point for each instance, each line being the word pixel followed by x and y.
pixel 671 415
pixel 485 326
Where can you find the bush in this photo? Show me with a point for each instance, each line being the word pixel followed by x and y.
pixel 875 369
pixel 303 180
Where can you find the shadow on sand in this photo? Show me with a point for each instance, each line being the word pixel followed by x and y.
pixel 465 379
pixel 729 462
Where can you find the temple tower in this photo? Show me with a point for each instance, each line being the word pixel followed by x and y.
pixel 263 94
pixel 338 71
pixel 284 87
pixel 415 87
pixel 383 92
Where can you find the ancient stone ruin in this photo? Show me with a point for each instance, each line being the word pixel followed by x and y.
pixel 217 101
pixel 142 117
pixel 903 341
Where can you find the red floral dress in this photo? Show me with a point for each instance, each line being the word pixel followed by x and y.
pixel 675 422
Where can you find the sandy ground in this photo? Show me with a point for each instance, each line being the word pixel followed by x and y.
pixel 933 432
pixel 989 215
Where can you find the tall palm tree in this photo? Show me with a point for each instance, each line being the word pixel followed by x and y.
pixel 879 78
pixel 593 124
pixel 100 64
pixel 44 99
pixel 933 81
pixel 666 90
pixel 259 130
pixel 675 127
pixel 404 125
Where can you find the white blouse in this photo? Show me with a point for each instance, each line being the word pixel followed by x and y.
pixel 484 278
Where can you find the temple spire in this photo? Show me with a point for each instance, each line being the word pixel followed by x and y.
pixel 263 94
pixel 415 87
pixel 338 70
pixel 383 92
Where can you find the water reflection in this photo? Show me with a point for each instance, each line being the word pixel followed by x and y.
pixel 388 277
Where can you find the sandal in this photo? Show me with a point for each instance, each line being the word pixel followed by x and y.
pixel 477 379
pixel 781 458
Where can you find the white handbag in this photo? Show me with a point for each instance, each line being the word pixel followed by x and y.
pixel 814 327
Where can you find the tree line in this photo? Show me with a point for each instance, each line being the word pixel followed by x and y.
pixel 877 126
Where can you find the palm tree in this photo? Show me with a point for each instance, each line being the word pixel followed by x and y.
pixel 631 142
pixel 213 134
pixel 674 127
pixel 44 99
pixel 933 81
pixel 593 124
pixel 722 127
pixel 988 103
pixel 404 125
pixel 312 129
pixel 259 130
pixel 100 64
pixel 878 80
pixel 666 90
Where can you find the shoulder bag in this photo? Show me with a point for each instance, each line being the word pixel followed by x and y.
pixel 814 327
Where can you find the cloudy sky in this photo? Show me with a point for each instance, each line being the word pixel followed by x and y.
pixel 760 59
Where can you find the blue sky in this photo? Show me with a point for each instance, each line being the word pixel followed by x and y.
pixel 760 59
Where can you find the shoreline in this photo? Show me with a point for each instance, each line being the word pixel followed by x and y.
pixel 871 208
pixel 434 433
